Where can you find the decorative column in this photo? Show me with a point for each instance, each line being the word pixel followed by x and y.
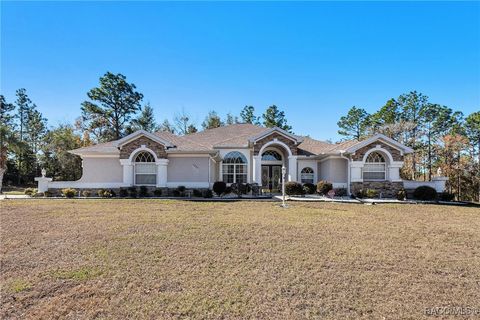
pixel 257 169
pixel 43 182
pixel 394 171
pixel 356 171
pixel 292 168
pixel 162 172
pixel 127 172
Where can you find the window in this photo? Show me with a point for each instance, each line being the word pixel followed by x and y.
pixel 374 167
pixel 234 168
pixel 145 169
pixel 306 175
pixel 271 155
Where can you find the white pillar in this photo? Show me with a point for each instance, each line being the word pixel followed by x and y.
pixel 257 169
pixel 127 172
pixel 440 183
pixel 292 168
pixel 394 171
pixel 43 183
pixel 162 172
pixel 356 171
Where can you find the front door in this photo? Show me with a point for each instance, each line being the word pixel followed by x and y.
pixel 271 177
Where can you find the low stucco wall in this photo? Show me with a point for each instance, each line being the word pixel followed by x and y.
pixel 188 169
pixel 104 170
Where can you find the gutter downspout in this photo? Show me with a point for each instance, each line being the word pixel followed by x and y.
pixel 348 172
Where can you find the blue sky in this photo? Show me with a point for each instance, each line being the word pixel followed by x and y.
pixel 313 60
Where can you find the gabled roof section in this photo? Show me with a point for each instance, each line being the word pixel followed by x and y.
pixel 144 133
pixel 379 137
pixel 269 131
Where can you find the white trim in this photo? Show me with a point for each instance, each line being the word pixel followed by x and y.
pixel 385 139
pixel 282 132
pixel 188 184
pixel 138 134
pixel 142 148
pixel 330 157
pixel 275 142
pixel 105 155
pixel 378 148
pixel 189 155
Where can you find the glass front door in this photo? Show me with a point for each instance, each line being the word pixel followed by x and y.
pixel 271 176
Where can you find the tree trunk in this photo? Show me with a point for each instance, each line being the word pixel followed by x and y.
pixel 2 173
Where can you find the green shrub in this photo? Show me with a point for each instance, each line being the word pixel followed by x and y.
pixel 425 193
pixel 401 194
pixel 309 188
pixel 30 191
pixel 69 192
pixel 39 195
pixel 219 187
pixel 371 193
pixel 123 193
pixel 113 194
pixel 157 192
pixel 446 196
pixel 208 193
pixel 132 192
pixel 48 194
pixel 323 187
pixel 100 192
pixel 143 192
pixel 229 190
pixel 86 193
pixel 293 188
pixel 181 188
pixel 197 193
pixel 107 194
pixel 340 192
pixel 176 193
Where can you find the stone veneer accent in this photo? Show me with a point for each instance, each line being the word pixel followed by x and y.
pixel 259 144
pixel 360 153
pixel 388 189
pixel 128 148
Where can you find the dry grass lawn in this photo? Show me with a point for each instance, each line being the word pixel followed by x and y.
pixel 148 259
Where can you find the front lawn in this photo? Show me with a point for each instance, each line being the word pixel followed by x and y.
pixel 176 259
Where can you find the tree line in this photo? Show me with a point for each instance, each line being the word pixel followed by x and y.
pixel 441 138
pixel 113 109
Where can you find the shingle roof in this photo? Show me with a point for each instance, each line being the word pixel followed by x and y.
pixel 235 135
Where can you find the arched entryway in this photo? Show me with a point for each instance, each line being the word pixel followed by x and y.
pixel 268 165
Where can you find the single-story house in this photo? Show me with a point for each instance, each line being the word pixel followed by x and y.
pixel 238 153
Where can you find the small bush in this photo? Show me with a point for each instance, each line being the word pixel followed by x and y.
pixel 107 194
pixel 181 188
pixel 100 192
pixel 123 193
pixel 39 195
pixel 293 188
pixel 157 192
pixel 69 192
pixel 323 187
pixel 446 196
pixel 341 192
pixel 309 188
pixel 86 193
pixel 143 192
pixel 360 193
pixel 30 191
pixel 219 187
pixel 401 194
pixel 229 190
pixel 197 193
pixel 208 193
pixel 176 193
pixel 132 192
pixel 48 194
pixel 113 194
pixel 371 193
pixel 425 193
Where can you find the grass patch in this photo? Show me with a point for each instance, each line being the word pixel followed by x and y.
pixel 19 285
pixel 82 274
pixel 146 259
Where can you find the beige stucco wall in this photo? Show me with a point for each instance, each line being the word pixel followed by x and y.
pixel 188 169
pixel 101 170
pixel 333 170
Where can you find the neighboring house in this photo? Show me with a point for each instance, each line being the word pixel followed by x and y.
pixel 242 153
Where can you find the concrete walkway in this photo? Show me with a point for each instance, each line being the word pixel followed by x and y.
pixel 13 196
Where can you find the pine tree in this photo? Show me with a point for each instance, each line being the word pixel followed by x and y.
pixel 355 124
pixel 273 117
pixel 248 115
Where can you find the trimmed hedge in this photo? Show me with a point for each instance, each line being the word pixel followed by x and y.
pixel 309 188
pixel 294 188
pixel 425 193
pixel 324 186
pixel 69 192
pixel 219 187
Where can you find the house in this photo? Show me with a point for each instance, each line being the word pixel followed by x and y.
pixel 238 153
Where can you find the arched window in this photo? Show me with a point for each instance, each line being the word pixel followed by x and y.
pixel 145 169
pixel 234 167
pixel 374 167
pixel 271 155
pixel 306 175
